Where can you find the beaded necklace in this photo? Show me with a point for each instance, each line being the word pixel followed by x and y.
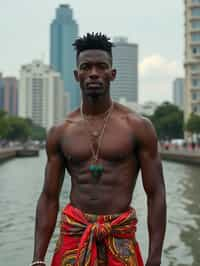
pixel 96 169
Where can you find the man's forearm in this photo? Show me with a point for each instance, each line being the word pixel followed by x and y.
pixel 46 216
pixel 156 226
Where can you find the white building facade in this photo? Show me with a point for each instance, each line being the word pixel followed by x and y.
pixel 192 57
pixel 41 95
pixel 125 60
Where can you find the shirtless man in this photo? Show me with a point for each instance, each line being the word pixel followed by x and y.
pixel 103 145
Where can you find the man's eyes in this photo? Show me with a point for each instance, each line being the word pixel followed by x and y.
pixel 103 66
pixel 84 67
pixel 88 66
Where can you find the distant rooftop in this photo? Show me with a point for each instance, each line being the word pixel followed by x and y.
pixel 120 39
pixel 64 5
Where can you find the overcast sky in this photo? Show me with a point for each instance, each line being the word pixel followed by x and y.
pixel 157 26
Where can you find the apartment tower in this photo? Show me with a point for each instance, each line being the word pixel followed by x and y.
pixel 192 57
pixel 41 94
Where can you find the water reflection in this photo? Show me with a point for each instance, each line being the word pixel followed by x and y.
pixel 183 231
pixel 190 234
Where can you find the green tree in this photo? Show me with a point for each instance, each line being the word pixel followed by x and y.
pixel 193 124
pixel 2 114
pixel 18 129
pixel 3 124
pixel 168 121
pixel 38 133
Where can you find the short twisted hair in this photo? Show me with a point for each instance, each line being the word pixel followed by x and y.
pixel 93 40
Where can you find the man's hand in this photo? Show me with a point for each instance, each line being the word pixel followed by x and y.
pixel 153 262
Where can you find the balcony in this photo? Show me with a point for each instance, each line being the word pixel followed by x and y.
pixel 194 17
pixel 194 5
pixel 196 101
pixel 195 88
pixel 194 30
pixel 195 43
pixel 190 61
pixel 195 73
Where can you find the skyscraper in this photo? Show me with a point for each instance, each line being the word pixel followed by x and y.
pixel 125 60
pixel 8 94
pixel 178 92
pixel 1 92
pixel 192 57
pixel 41 94
pixel 64 31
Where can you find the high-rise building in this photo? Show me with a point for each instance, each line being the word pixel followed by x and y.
pixel 8 94
pixel 125 60
pixel 1 92
pixel 64 31
pixel 192 57
pixel 41 94
pixel 178 92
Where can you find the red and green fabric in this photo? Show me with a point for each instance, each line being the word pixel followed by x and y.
pixel 97 240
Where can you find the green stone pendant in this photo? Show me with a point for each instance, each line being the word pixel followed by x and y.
pixel 96 170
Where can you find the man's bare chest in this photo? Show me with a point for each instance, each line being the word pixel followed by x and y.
pixel 116 143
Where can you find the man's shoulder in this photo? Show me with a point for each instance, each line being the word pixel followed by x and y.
pixel 141 126
pixel 134 118
pixel 58 130
pixel 71 117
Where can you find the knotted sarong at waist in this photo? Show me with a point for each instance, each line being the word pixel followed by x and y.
pixel 91 240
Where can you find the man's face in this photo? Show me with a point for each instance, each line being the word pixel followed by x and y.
pixel 94 72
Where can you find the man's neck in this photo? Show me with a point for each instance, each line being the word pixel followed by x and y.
pixel 96 106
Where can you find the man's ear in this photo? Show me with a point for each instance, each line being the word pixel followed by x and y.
pixel 76 75
pixel 113 74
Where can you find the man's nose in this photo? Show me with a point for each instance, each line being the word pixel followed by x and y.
pixel 94 73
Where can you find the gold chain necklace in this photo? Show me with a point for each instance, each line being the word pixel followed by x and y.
pixel 97 169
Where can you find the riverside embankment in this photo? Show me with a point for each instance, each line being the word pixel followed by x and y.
pixel 181 156
pixel 10 153
pixel 184 156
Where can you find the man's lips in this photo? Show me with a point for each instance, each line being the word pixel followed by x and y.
pixel 94 84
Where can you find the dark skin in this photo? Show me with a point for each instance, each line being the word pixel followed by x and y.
pixel 123 154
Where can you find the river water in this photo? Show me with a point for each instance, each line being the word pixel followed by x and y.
pixel 20 185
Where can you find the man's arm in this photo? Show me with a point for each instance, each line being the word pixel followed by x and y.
pixel 48 203
pixel 154 187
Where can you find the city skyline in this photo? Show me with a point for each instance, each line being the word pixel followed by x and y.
pixel 160 39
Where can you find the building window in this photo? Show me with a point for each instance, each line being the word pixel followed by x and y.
pixel 196 1
pixel 195 67
pixel 195 36
pixel 194 96
pixel 196 50
pixel 196 12
pixel 194 108
pixel 196 24
pixel 195 83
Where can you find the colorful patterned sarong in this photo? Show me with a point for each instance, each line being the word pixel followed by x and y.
pixel 97 240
